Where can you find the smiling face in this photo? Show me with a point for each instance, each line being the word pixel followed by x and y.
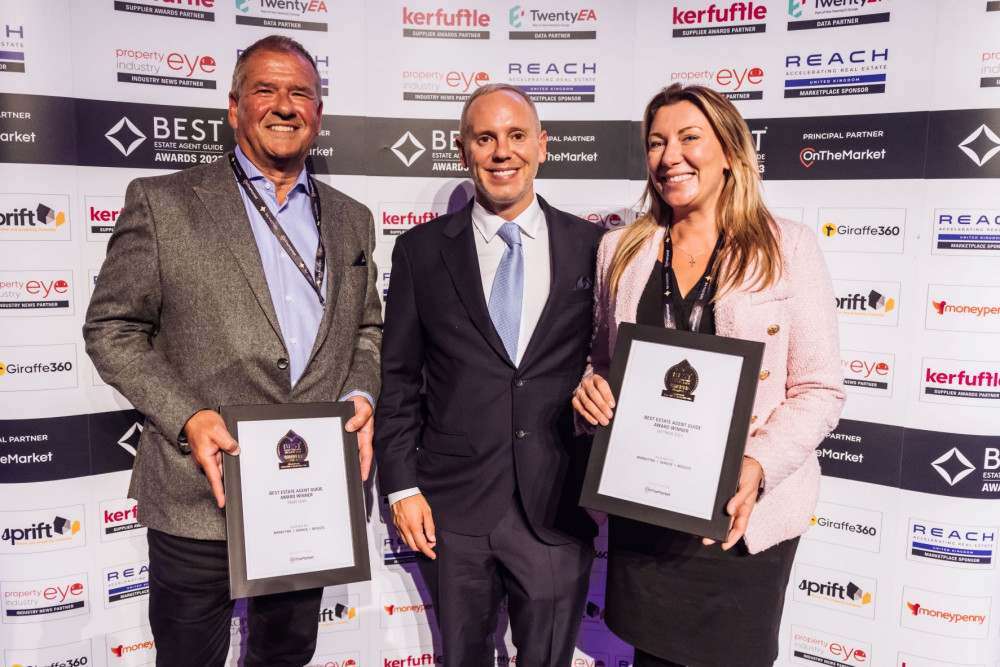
pixel 685 159
pixel 277 115
pixel 501 146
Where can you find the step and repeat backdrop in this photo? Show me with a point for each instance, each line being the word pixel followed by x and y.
pixel 876 125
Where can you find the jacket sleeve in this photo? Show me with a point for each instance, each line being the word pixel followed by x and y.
pixel 398 417
pixel 124 317
pixel 599 361
pixel 814 392
pixel 364 372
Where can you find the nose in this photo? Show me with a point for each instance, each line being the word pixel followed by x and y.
pixel 502 150
pixel 282 104
pixel 671 153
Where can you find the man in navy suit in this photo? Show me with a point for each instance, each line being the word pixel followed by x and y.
pixel 489 314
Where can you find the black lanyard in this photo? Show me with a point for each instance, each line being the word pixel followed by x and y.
pixel 670 286
pixel 279 233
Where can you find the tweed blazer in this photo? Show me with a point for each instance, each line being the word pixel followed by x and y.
pixel 182 319
pixel 800 393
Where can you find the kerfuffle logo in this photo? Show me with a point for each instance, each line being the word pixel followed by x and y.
pixel 738 12
pixel 461 18
pixel 949 617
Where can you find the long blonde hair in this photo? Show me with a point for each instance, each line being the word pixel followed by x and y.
pixel 751 235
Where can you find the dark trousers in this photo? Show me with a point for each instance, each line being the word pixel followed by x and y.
pixel 643 659
pixel 546 588
pixel 190 610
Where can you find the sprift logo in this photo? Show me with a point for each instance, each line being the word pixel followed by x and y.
pixel 593 612
pixel 853 527
pixel 953 545
pixel 944 614
pixel 981 145
pixel 862 302
pixel 555 81
pixel 126 583
pixel 970 308
pixel 44 599
pixel 960 382
pixel 738 82
pixel 739 18
pixel 827 73
pixel 862 229
pixel 421 85
pixel 37 531
pixel 339 612
pixel 101 214
pixel 119 519
pixel 37 367
pixel 462 23
pixel 575 23
pixel 868 373
pixel 412 657
pixel 29 293
pixel 396 218
pixel 809 646
pixel 26 217
pixel 12 49
pixel 839 591
pixel 137 64
pixel 192 9
pixel 966 231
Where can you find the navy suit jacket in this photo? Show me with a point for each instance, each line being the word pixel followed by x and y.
pixel 485 429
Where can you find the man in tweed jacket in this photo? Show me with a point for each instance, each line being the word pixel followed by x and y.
pixel 198 305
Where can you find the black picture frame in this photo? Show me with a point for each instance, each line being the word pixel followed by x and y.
pixel 240 586
pixel 717 528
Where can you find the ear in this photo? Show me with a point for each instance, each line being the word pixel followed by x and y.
pixel 543 140
pixel 233 103
pixel 461 151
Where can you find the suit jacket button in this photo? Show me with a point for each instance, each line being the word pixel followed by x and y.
pixel 765 374
pixel 773 329
pixel 518 382
pixel 282 363
pixel 519 434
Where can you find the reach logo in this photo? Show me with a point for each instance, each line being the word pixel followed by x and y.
pixel 970 547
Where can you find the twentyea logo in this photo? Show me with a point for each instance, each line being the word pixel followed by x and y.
pixel 862 229
pixel 178 9
pixel 555 81
pixel 853 527
pixel 849 593
pixel 396 218
pixel 972 547
pixel 24 293
pixel 963 308
pixel 44 599
pixel 576 23
pixel 459 24
pixel 966 231
pixel 283 14
pixel 34 217
pixel 412 657
pixel 36 531
pixel 126 583
pixel 863 302
pixel 812 647
pixel 823 74
pixel 981 145
pixel 441 86
pixel 834 13
pixel 739 18
pixel 34 367
pixel 944 614
pixel 187 70
pixel 868 373
pixel 738 83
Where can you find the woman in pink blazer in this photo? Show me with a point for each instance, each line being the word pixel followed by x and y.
pixel 709 257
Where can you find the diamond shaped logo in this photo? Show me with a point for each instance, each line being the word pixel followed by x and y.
pixel 129 440
pixel 125 136
pixel 981 145
pixel 953 466
pixel 408 149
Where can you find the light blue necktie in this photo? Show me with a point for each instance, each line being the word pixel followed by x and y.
pixel 508 287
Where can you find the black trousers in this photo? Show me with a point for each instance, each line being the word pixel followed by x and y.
pixel 190 610
pixel 546 588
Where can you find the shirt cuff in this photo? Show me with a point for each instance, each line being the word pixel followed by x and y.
pixel 371 401
pixel 395 497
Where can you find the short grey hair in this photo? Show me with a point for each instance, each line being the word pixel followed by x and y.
pixel 273 43
pixel 496 88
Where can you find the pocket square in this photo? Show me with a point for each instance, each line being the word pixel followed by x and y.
pixel 360 260
pixel 583 283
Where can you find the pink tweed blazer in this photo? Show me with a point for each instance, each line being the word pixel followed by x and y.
pixel 800 393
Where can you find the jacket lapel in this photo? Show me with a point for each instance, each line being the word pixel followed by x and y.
pixel 336 263
pixel 562 248
pixel 220 195
pixel 462 262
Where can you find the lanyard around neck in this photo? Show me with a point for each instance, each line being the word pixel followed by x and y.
pixel 670 286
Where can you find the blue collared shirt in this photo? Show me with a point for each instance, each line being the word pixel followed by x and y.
pixel 295 302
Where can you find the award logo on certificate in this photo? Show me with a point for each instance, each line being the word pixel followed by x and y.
pixel 294 504
pixel 671 455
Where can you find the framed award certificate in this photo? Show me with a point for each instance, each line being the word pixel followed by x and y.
pixel 672 454
pixel 295 513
